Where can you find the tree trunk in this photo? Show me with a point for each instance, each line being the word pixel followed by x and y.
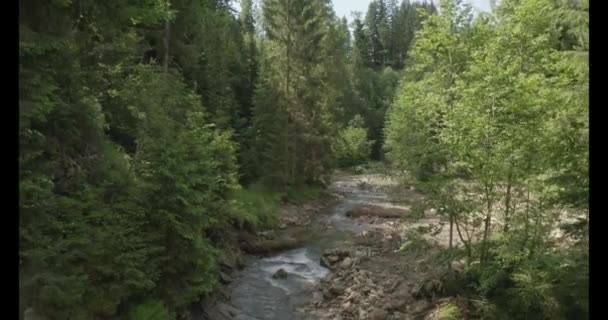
pixel 451 228
pixel 166 41
pixel 507 202
pixel 287 175
pixel 451 237
pixel 527 221
pixel 466 243
pixel 487 223
pixel 535 239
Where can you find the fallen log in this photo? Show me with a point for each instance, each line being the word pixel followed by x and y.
pixel 376 211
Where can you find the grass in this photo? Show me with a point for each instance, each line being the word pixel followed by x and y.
pixel 448 311
pixel 150 310
pixel 300 195
pixel 254 207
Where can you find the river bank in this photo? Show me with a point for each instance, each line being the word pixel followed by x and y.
pixel 324 262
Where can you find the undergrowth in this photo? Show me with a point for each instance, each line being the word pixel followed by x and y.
pixel 254 207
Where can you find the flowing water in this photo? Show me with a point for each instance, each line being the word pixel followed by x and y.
pixel 258 296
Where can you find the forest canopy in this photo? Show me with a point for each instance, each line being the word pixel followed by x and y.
pixel 145 125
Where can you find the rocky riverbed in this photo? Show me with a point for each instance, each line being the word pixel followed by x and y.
pixel 351 258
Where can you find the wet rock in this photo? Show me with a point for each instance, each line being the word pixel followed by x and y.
pixel 317 297
pixel 333 259
pixel 346 263
pixel 377 314
pixel 223 293
pixel 340 253
pixel 224 278
pixel 325 262
pixel 280 274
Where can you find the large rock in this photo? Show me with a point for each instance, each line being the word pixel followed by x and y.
pixel 317 297
pixel 325 262
pixel 336 289
pixel 331 258
pixel 280 274
pixel 346 263
pixel 340 253
pixel 377 314
pixel 348 307
pixel 376 211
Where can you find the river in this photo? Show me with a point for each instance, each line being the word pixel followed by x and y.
pixel 256 295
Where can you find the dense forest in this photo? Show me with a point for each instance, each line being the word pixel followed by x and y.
pixel 148 127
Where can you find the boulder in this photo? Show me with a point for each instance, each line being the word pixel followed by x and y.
pixel 346 263
pixel 317 297
pixel 340 253
pixel 280 274
pixel 224 278
pixel 325 262
pixel 348 307
pixel 377 314
pixel 336 289
pixel 333 259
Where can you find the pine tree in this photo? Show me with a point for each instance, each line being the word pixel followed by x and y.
pixel 296 30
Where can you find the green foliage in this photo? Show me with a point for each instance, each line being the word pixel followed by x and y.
pixel 127 169
pixel 477 119
pixel 448 311
pixel 302 194
pixel 101 138
pixel 291 116
pixel 254 207
pixel 150 310
pixel 352 146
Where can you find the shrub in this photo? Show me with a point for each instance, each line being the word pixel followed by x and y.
pixel 150 310
pixel 352 146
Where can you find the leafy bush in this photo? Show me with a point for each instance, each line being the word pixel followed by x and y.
pixel 352 146
pixel 150 310
pixel 254 207
pixel 448 311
